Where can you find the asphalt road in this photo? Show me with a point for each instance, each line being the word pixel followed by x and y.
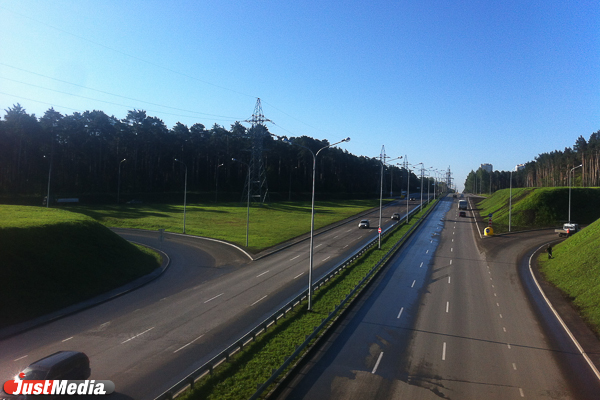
pixel 449 319
pixel 211 294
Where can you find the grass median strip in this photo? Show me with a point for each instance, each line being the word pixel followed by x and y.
pixel 239 378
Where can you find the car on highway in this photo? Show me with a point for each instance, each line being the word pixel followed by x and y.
pixel 364 224
pixel 462 214
pixel 69 365
pixel 396 216
pixel 412 199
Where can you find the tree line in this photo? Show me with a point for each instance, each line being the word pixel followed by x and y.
pixel 547 170
pixel 82 154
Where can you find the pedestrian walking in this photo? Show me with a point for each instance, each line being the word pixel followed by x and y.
pixel 549 250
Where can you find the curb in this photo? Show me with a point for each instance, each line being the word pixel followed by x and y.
pixel 94 301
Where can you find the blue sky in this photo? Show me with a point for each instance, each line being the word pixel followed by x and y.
pixel 450 84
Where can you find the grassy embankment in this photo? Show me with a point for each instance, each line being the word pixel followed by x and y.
pixel 53 258
pixel 575 269
pixel 239 378
pixel 541 207
pixel 269 224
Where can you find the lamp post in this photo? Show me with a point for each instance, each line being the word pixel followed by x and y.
pixel 248 201
pixel 217 182
pixel 407 185
pixel 184 192
pixel 49 176
pixel 510 202
pixel 421 164
pixel 570 172
pixel 312 212
pixel 382 161
pixel 119 184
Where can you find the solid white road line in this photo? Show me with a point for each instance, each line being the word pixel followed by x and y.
pixel 262 298
pixel 400 313
pixel 214 298
pixel 139 334
pixel 413 284
pixel 295 257
pixel 20 358
pixel 67 339
pixel 299 275
pixel 262 274
pixel 377 363
pixel 183 347
pixel 444 352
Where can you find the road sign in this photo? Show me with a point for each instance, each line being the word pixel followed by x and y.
pixel 379 230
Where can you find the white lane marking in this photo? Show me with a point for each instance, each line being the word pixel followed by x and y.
pixel 335 237
pixel 453 232
pixel 521 392
pixel 504 329
pixel 349 230
pixel 450 262
pixel 500 315
pixel 508 345
pixel 20 358
pixel 163 299
pixel 328 257
pixel 292 259
pixel 262 274
pixel 452 240
pixel 262 298
pixel 400 313
pixel 447 306
pixel 493 286
pixel 490 272
pixel 299 275
pixel 139 334
pixel 318 245
pixel 421 264
pixel 514 366
pixel 495 295
pixel 345 246
pixel 497 304
pixel 69 338
pixel 451 249
pixel 448 279
pixel 413 284
pixel 214 298
pixel 377 363
pixel 183 347
pixel 444 352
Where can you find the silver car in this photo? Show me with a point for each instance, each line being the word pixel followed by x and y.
pixel 363 224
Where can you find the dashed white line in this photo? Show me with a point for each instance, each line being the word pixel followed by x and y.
pixel 262 298
pixel 295 257
pixel 319 245
pixel 262 274
pixel 495 295
pixel 452 240
pixel 345 246
pixel 214 298
pixel 521 392
pixel 349 230
pixel 514 366
pixel 427 252
pixel 421 264
pixel 183 347
pixel 400 313
pixel 69 338
pixel 335 237
pixel 20 358
pixel 451 249
pixel 508 345
pixel 444 352
pixel 447 306
pixel 450 262
pixel 377 363
pixel 497 304
pixel 139 334
pixel 448 279
pixel 413 284
pixel 504 329
pixel 328 257
pixel 500 315
pixel 299 275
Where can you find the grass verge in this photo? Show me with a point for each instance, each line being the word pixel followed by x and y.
pixel 252 366
pixel 55 258
pixel 270 224
pixel 575 269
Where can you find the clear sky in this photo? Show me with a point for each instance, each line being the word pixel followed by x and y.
pixel 448 83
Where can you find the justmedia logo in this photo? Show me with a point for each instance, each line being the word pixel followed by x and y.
pixel 57 387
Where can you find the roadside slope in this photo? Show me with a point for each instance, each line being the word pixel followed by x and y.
pixel 575 269
pixel 53 258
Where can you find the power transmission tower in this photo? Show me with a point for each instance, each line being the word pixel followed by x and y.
pixel 449 179
pixel 257 184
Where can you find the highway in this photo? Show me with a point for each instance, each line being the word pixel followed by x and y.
pixel 211 294
pixel 449 319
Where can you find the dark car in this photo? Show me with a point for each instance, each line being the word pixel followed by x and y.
pixel 462 214
pixel 412 199
pixel 396 216
pixel 70 365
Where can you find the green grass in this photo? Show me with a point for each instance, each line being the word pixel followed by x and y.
pixel 239 378
pixel 541 207
pixel 269 224
pixel 54 258
pixel 575 269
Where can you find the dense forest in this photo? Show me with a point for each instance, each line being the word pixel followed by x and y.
pixel 547 170
pixel 83 155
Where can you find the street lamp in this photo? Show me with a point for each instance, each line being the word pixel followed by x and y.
pixel 119 184
pixel 248 202
pixel 312 212
pixel 510 202
pixel 382 161
pixel 217 182
pixel 572 169
pixel 184 192
pixel 49 176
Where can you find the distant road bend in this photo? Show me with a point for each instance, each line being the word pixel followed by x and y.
pixel 147 340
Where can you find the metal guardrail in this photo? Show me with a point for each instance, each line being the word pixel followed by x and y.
pixel 238 345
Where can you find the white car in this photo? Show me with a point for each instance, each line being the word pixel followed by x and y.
pixel 363 224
